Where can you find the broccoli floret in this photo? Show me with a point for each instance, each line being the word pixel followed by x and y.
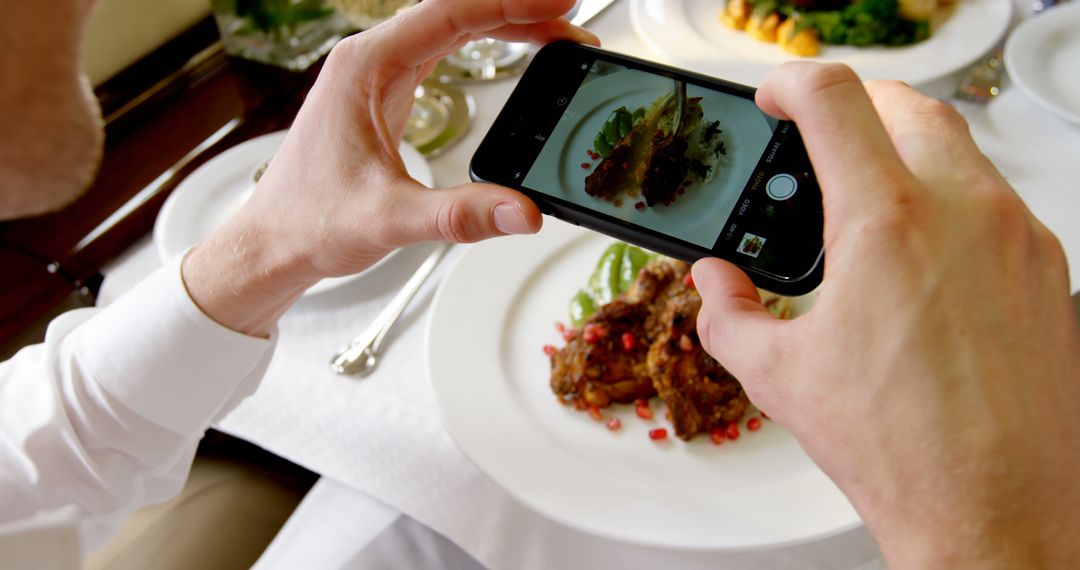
pixel 864 23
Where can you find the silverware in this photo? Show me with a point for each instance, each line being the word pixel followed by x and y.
pixel 259 170
pixel 983 82
pixel 362 354
pixel 680 106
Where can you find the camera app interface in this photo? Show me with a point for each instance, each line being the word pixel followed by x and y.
pixel 697 164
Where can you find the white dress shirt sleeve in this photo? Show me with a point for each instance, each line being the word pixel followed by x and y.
pixel 106 414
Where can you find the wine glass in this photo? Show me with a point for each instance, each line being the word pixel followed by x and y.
pixel 485 60
pixel 441 113
pixel 488 59
pixel 366 14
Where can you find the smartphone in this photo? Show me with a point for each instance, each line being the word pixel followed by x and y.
pixel 676 162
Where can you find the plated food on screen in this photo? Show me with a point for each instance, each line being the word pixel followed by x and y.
pixel 651 156
pixel 800 27
pixel 633 338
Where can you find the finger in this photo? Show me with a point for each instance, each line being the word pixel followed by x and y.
pixel 465 214
pixel 733 325
pixel 856 164
pixel 544 33
pixel 435 26
pixel 931 138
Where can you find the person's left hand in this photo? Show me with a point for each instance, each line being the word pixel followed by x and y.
pixel 336 197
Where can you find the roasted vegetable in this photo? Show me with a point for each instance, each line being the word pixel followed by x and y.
pixel 803 43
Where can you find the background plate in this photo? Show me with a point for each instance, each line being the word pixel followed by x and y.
pixel 491 317
pixel 1043 59
pixel 688 33
pixel 217 189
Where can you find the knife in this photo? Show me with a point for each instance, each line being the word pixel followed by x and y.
pixel 588 9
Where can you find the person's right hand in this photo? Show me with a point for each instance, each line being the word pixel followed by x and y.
pixel 936 379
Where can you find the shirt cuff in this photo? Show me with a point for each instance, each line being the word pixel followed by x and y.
pixel 157 353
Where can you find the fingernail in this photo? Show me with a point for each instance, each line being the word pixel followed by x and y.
pixel 587 37
pixel 508 219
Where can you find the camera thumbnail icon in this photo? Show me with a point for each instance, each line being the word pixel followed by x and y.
pixel 751 245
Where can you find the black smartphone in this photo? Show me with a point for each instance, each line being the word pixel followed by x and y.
pixel 673 161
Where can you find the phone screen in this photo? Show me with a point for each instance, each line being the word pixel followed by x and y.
pixel 677 156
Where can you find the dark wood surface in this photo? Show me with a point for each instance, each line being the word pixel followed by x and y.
pixel 158 110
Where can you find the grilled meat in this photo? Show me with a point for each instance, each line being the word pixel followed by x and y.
pixel 657 283
pixel 602 371
pixel 651 158
pixel 668 165
pixel 614 172
pixel 666 171
pixel 660 310
pixel 699 393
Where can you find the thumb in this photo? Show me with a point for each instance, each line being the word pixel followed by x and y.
pixel 470 213
pixel 733 325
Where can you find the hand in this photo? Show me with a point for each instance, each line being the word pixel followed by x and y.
pixel 336 197
pixel 936 379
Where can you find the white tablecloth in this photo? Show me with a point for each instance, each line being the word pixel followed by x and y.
pixel 381 442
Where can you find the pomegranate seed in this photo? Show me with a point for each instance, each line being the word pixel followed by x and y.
pixel 639 205
pixel 589 334
pixel 550 350
pixel 595 414
pixel 569 335
pixel 717 436
pixel 644 412
pixel 657 434
pixel 642 402
pixel 732 431
pixel 601 332
pixel 685 344
pixel 688 280
pixel 628 341
pixel 626 166
pixel 586 165
pixel 614 424
pixel 754 424
pixel 580 404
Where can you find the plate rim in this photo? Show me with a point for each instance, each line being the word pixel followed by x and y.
pixel 1028 33
pixel 452 423
pixel 417 166
pixel 753 73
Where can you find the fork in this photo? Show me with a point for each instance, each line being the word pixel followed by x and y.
pixel 362 355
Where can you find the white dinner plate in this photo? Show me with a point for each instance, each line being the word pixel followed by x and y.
pixel 492 316
pixel 1043 59
pixel 688 33
pixel 217 189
